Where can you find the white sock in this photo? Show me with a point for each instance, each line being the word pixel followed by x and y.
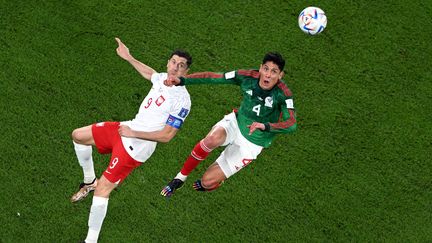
pixel 85 159
pixel 181 177
pixel 98 211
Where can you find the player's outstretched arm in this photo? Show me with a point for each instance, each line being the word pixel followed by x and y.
pixel 124 53
pixel 209 78
pixel 164 136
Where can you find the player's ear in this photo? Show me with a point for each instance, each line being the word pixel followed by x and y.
pixel 281 74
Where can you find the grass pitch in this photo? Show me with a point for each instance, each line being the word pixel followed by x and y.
pixel 358 169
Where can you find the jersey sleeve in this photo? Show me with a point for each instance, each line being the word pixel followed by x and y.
pixel 211 78
pixel 287 122
pixel 179 112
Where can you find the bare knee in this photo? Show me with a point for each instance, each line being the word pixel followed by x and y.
pixel 213 177
pixel 76 136
pixel 215 138
pixel 209 183
pixel 83 135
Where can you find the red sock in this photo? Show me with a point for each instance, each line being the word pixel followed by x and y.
pixel 198 154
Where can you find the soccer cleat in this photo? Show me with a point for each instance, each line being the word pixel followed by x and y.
pixel 84 190
pixel 169 190
pixel 197 185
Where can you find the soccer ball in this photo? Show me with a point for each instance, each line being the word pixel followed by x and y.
pixel 312 20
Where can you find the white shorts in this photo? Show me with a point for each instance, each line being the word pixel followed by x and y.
pixel 239 151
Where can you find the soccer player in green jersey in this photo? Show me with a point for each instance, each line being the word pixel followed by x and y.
pixel 267 109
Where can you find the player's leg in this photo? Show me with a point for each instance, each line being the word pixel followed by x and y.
pixel 215 138
pixel 235 157
pixel 220 135
pixel 104 136
pixel 99 208
pixel 211 180
pixel 83 141
pixel 83 135
pixel 120 166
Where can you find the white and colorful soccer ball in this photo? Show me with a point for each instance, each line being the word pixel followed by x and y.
pixel 312 20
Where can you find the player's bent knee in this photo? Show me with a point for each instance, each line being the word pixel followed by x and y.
pixel 77 136
pixel 215 139
pixel 210 183
pixel 82 135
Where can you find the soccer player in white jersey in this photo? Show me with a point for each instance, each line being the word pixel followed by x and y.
pixel 131 143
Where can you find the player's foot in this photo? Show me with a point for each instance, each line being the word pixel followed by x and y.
pixel 197 185
pixel 172 187
pixel 85 189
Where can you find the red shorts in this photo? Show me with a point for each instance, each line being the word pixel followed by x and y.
pixel 108 140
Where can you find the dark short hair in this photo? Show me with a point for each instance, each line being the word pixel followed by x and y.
pixel 184 54
pixel 276 58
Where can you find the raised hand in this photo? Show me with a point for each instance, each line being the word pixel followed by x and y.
pixel 122 50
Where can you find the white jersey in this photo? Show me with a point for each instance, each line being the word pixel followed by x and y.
pixel 162 106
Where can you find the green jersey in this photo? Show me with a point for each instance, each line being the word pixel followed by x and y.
pixel 274 108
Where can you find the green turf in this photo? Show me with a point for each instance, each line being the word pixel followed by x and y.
pixel 357 170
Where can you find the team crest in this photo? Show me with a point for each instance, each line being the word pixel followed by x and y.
pixel 160 100
pixel 268 101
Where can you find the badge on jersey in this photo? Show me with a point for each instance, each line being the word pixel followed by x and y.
pixel 183 113
pixel 174 121
pixel 289 103
pixel 230 75
pixel 268 101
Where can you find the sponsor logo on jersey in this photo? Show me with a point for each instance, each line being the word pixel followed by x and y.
pixel 183 113
pixel 269 101
pixel 249 92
